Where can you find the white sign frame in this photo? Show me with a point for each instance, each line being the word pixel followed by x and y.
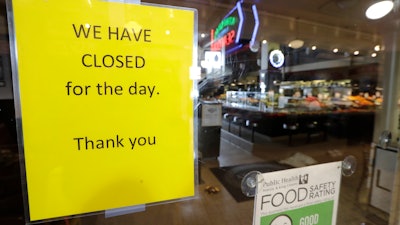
pixel 298 196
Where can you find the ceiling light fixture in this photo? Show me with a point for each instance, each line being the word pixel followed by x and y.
pixel 379 9
pixel 296 43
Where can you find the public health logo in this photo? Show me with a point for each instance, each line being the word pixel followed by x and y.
pixel 303 179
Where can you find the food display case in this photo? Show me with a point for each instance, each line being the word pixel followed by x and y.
pixel 305 95
pixel 323 91
pixel 244 99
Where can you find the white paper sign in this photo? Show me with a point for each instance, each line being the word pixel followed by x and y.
pixel 301 196
pixel 211 115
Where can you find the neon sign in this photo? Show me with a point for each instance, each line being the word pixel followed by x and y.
pixel 225 23
pixel 229 31
pixel 256 25
pixel 226 40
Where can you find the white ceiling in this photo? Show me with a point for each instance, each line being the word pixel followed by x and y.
pixel 325 23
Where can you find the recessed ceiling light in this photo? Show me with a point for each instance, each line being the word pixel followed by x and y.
pixel 314 48
pixel 374 55
pixel 356 52
pixel 335 50
pixel 379 9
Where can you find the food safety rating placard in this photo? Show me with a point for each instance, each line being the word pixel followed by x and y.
pixel 301 196
pixel 105 103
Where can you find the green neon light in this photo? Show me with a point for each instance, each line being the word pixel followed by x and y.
pixel 229 21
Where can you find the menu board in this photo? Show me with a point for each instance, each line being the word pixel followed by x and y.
pixel 105 104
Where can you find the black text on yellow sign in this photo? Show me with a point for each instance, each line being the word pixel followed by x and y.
pixel 107 86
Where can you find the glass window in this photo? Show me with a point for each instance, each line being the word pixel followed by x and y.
pixel 300 83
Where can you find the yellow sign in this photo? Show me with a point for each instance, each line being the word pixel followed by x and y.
pixel 107 116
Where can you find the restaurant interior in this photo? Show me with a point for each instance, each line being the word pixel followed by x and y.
pixel 328 93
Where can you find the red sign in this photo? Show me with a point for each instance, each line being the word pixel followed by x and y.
pixel 226 40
